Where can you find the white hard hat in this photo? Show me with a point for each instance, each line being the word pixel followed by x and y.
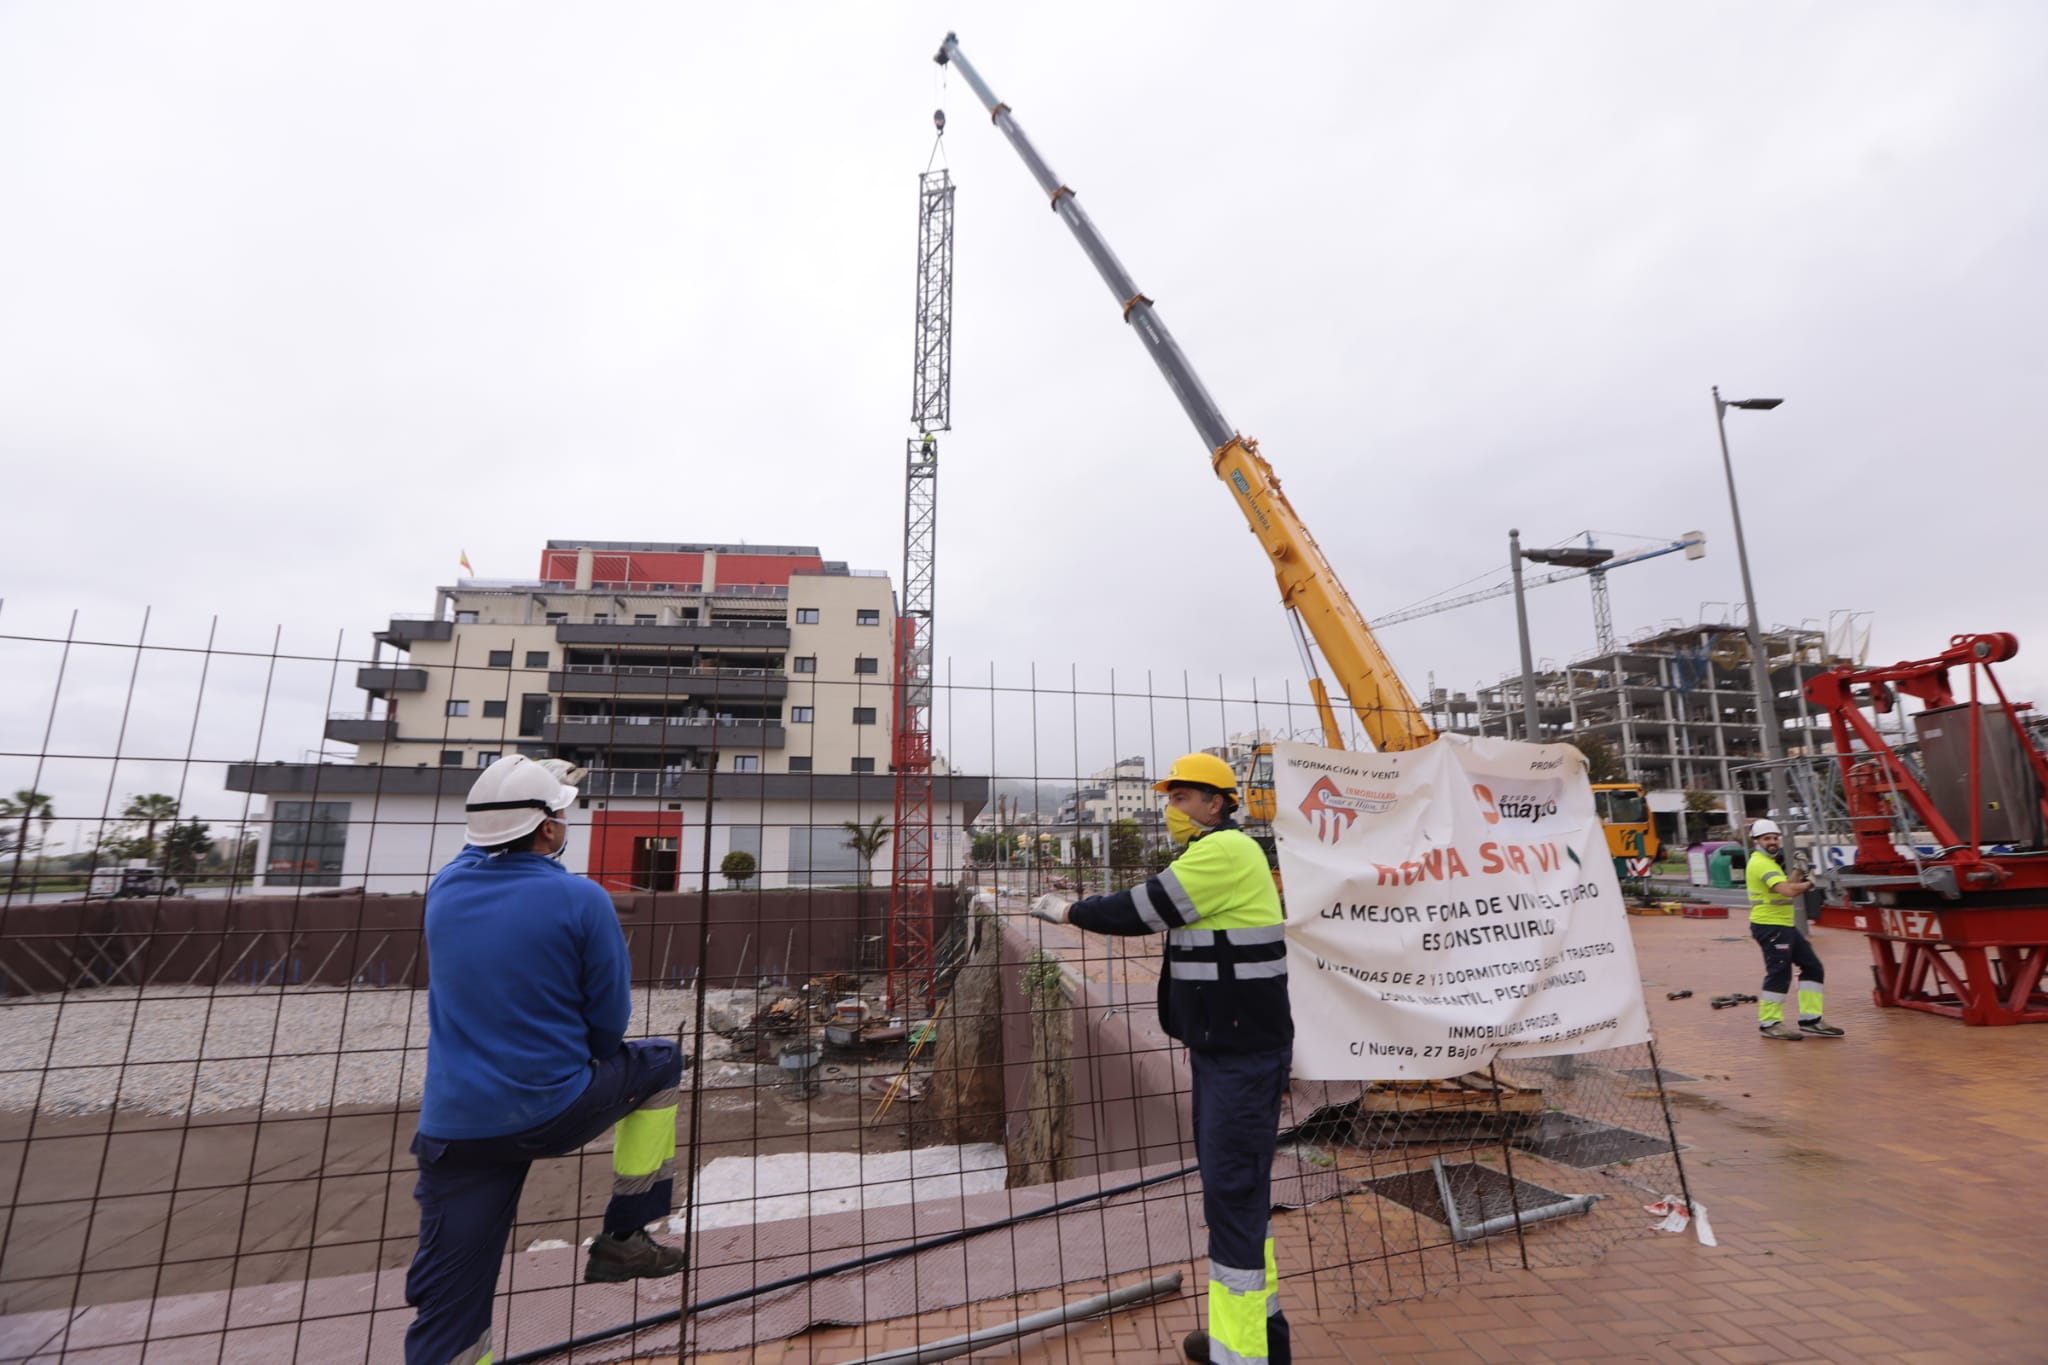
pixel 1763 827
pixel 514 795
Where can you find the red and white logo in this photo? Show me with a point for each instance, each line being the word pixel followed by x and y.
pixel 1488 811
pixel 1330 813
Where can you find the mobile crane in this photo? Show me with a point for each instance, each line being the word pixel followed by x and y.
pixel 1316 603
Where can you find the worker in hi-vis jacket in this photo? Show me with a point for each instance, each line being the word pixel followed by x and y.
pixel 1776 931
pixel 1223 993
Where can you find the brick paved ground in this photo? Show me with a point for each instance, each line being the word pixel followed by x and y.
pixel 1877 1199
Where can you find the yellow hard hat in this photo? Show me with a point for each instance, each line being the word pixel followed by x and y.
pixel 1206 769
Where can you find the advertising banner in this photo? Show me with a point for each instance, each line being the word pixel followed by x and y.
pixel 1446 906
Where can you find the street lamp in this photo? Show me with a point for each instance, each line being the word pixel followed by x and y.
pixel 1580 557
pixel 1759 661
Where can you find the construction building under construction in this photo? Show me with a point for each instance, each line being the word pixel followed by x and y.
pixel 1677 708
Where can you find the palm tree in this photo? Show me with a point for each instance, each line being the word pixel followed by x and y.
pixel 151 811
pixel 28 804
pixel 865 841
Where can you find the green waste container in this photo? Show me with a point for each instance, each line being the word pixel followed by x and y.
pixel 1721 867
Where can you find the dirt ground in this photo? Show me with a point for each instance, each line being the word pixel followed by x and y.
pixel 115 1207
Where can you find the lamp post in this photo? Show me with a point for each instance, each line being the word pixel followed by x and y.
pixel 1584 557
pixel 1759 660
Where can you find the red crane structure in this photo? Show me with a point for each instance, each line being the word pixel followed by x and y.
pixel 1961 928
pixel 913 927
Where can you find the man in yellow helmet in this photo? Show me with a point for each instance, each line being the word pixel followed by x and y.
pixel 1222 992
pixel 1775 929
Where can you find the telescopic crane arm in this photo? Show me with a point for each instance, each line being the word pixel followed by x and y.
pixel 1310 590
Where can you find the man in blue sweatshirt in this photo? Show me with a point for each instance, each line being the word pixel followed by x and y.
pixel 528 998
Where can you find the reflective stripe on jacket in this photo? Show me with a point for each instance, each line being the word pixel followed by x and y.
pixel 1223 984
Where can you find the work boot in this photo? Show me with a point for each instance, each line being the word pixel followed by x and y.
pixel 1195 1346
pixel 636 1256
pixel 1819 1028
pixel 1781 1031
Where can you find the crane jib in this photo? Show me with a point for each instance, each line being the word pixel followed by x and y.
pixel 1180 376
pixel 1308 585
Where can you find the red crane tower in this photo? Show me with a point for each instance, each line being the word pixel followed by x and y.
pixel 912 922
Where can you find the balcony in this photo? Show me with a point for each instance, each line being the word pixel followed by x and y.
pixel 353 727
pixel 406 631
pixel 379 681
pixel 679 634
pixel 705 684
pixel 670 734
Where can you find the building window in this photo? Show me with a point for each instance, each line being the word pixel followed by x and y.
pixel 458 708
pixel 558 618
pixel 867 616
pixel 600 618
pixel 643 618
pixel 307 839
pixel 451 758
pixel 465 618
pixel 746 763
pixel 536 658
pixel 800 764
pixel 867 663
pixel 863 765
pixel 486 757
pixel 501 658
pixel 494 709
pixel 804 663
pixel 799 715
pixel 807 616
pixel 863 715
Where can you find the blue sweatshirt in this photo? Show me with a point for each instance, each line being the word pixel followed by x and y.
pixel 527 985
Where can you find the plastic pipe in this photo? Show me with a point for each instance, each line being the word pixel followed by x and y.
pixel 1027 1326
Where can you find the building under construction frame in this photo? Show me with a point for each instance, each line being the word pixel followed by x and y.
pixel 1677 708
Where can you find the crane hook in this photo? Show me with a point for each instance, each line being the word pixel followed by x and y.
pixel 939 121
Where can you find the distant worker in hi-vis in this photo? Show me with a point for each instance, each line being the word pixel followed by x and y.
pixel 528 998
pixel 1222 992
pixel 1776 931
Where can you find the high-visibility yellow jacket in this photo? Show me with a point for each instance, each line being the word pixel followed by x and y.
pixel 1766 904
pixel 1223 985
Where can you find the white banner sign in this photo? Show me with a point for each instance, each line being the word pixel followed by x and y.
pixel 1446 906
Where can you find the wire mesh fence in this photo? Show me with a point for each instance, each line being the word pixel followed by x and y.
pixel 214 1022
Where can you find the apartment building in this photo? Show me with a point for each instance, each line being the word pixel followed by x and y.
pixel 758 677
pixel 1121 791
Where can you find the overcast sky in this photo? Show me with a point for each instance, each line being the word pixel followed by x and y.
pixel 298 302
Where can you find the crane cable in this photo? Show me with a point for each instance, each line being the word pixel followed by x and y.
pixel 939 122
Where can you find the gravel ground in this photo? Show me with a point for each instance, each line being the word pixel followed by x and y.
pixel 187 1050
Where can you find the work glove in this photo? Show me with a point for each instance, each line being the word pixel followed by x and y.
pixel 1051 909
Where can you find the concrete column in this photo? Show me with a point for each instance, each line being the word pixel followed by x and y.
pixel 710 570
pixel 586 563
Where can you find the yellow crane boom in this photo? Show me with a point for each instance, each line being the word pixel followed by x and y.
pixel 1310 590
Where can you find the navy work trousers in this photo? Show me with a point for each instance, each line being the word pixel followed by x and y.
pixel 468 1192
pixel 1237 1122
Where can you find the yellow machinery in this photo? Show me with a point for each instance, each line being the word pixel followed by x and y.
pixel 1625 816
pixel 1317 605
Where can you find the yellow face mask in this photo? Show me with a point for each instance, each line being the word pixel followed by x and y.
pixel 1180 826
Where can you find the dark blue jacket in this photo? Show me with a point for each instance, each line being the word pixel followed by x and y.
pixel 527 984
